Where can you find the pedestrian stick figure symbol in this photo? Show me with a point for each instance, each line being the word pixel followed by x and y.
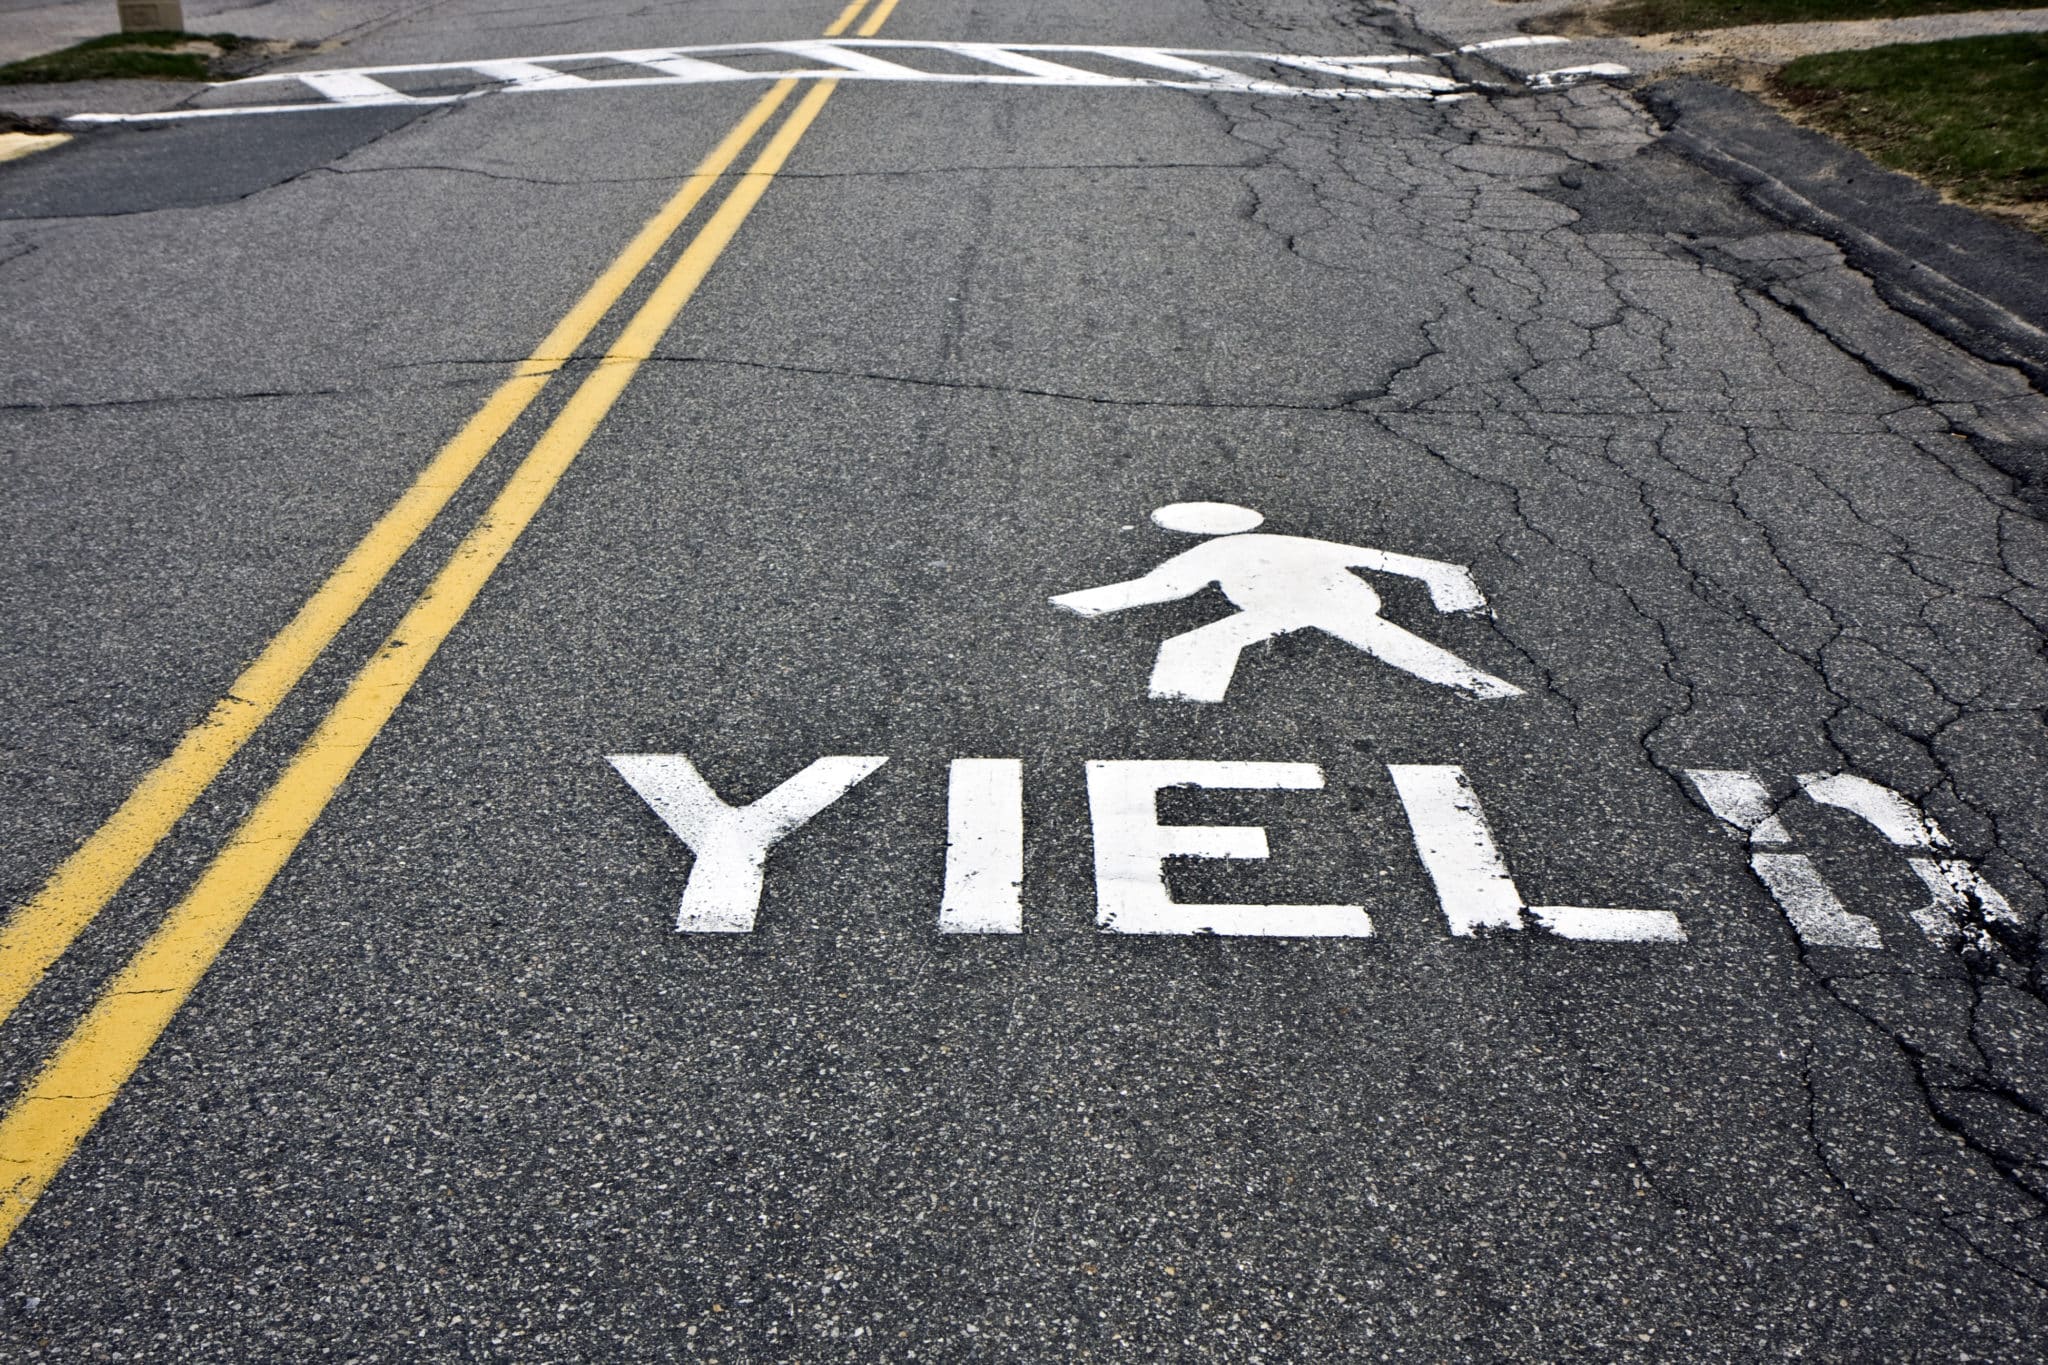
pixel 1282 584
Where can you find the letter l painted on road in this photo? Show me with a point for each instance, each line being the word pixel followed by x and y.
pixel 1472 881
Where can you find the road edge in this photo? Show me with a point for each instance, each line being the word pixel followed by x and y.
pixel 1978 282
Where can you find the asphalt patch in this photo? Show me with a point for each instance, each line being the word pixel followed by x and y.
pixel 1980 283
pixel 140 168
pixel 1653 191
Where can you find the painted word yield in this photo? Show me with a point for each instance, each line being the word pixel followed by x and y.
pixel 1452 837
pixel 1282 584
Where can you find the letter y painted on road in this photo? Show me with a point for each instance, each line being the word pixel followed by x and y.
pixel 732 842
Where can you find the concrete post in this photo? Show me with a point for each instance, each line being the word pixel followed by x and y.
pixel 145 16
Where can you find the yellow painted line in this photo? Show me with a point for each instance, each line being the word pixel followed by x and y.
pixel 49 1119
pixel 846 16
pixel 14 146
pixel 40 931
pixel 876 19
pixel 82 885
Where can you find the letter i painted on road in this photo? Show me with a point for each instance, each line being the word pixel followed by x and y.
pixel 984 848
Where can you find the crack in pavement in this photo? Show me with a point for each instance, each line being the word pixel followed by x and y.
pixel 1534 317
pixel 885 173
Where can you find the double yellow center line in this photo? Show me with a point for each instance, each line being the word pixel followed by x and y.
pixel 80 1079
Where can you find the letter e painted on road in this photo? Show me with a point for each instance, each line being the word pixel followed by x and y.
pixel 1131 848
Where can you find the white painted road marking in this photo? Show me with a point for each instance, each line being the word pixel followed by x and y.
pixel 1474 888
pixel 1743 802
pixel 1964 903
pixel 1472 884
pixel 1883 809
pixel 1014 64
pixel 1574 75
pixel 984 848
pixel 1131 849
pixel 1745 807
pixel 1283 584
pixel 732 842
pixel 1962 898
pixel 1472 881
pixel 1816 915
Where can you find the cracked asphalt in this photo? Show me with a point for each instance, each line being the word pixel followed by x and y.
pixel 459 1089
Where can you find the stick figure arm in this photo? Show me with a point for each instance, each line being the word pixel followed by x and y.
pixel 1169 582
pixel 1451 587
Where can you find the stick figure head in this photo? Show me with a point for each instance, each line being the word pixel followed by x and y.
pixel 1206 518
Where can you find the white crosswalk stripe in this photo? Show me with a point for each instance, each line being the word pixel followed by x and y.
pixel 1012 64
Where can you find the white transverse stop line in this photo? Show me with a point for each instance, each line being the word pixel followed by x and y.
pixel 1071 66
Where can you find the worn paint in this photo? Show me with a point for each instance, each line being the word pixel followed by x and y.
pixel 1816 915
pixel 859 59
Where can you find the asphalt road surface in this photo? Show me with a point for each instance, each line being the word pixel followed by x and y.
pixel 1637 675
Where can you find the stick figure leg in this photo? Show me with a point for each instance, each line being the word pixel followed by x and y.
pixel 1390 644
pixel 1198 665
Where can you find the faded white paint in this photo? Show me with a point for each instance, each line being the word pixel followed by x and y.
pixel 1814 912
pixel 1473 885
pixel 1476 891
pixel 732 842
pixel 1131 849
pixel 1820 920
pixel 530 75
pixel 1523 40
pixel 984 847
pixel 1963 899
pixel 1883 809
pixel 1577 75
pixel 1742 802
pixel 1282 584
pixel 340 87
pixel 858 59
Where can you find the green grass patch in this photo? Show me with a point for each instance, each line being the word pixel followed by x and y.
pixel 1969 114
pixel 159 56
pixel 1675 16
